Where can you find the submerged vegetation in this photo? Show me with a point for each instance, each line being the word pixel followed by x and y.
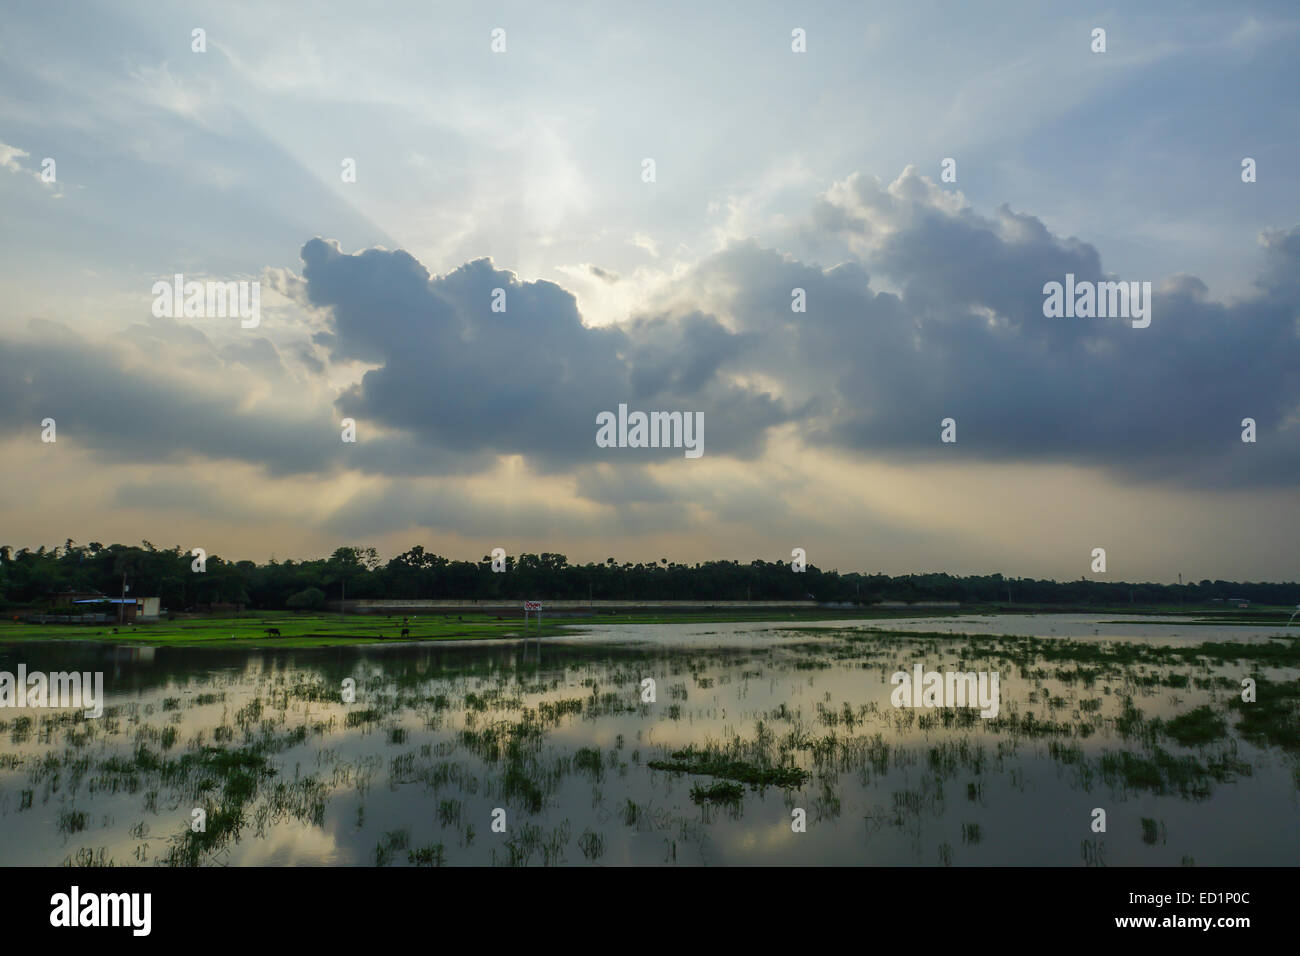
pixel 1274 718
pixel 248 756
pixel 717 793
pixel 712 763
pixel 1196 727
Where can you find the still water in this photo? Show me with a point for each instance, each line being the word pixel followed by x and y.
pixel 792 721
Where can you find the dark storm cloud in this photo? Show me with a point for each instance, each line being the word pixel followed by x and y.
pixel 937 313
pixel 966 338
pixel 133 416
pixel 527 380
pixel 186 402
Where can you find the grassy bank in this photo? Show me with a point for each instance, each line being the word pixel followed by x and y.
pixel 324 630
pixel 296 630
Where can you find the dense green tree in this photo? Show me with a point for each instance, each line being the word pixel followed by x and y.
pixel 32 579
pixel 312 599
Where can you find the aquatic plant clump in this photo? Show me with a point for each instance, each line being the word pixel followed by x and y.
pixel 717 793
pixel 711 764
pixel 753 728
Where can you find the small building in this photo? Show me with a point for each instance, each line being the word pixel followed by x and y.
pixel 130 609
pixel 68 598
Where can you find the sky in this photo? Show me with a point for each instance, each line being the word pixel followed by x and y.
pixel 460 246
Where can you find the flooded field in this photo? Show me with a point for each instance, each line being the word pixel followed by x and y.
pixel 748 725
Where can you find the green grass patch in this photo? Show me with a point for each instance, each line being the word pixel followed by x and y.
pixel 1196 727
pixel 1274 716
pixel 723 792
pixel 713 764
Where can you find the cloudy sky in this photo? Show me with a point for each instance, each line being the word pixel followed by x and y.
pixel 774 170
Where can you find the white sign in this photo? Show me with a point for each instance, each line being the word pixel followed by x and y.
pixel 532 605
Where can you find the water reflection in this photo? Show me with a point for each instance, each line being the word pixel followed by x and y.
pixel 750 724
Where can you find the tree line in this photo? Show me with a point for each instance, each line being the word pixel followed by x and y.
pixel 32 579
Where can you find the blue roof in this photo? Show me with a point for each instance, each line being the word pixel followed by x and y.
pixel 107 601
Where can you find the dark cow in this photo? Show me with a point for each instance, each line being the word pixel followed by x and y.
pixel 406 632
pixel 272 632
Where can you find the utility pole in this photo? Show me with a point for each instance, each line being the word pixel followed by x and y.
pixel 121 608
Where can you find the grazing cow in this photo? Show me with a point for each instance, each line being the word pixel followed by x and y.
pixel 272 632
pixel 406 632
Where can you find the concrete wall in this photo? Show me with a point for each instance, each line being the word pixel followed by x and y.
pixel 70 618
pixel 497 606
pixel 917 604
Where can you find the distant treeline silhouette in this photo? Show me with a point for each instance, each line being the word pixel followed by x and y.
pixel 35 578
